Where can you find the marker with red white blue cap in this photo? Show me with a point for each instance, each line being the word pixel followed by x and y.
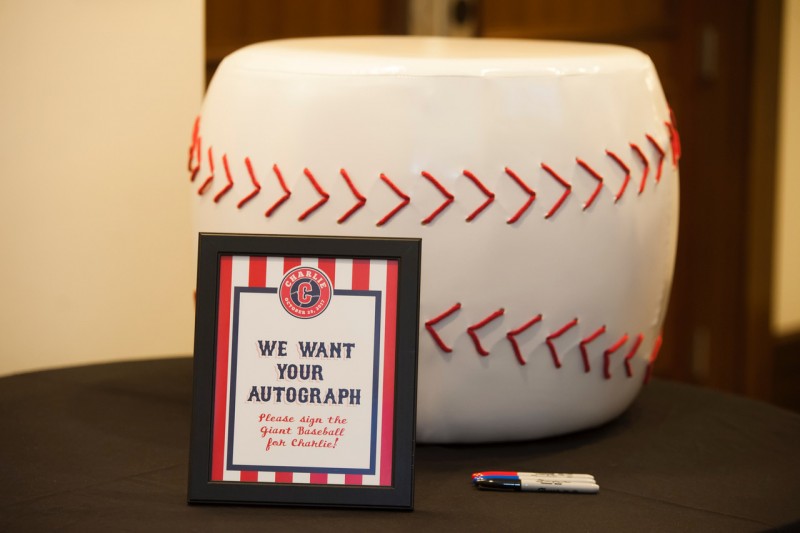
pixel 588 478
pixel 536 485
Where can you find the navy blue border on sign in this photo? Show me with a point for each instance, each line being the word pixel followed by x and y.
pixel 375 382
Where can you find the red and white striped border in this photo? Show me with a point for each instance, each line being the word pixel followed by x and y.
pixel 354 274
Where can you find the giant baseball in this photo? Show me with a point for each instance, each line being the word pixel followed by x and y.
pixel 542 178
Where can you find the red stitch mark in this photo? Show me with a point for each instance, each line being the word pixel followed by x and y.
pixel 286 192
pixel 448 198
pixel 653 356
pixel 587 340
pixel 253 180
pixel 229 185
pixel 609 352
pixel 531 196
pixel 198 151
pixel 435 320
pixel 210 177
pixel 625 169
pixel 511 336
pixel 471 330
pixel 566 327
pixel 360 197
pixel 674 141
pixel 194 148
pixel 596 176
pixel 634 349
pixel 489 195
pixel 676 138
pixel 195 131
pixel 646 164
pixel 404 200
pixel 660 154
pixel 563 182
pixel 324 196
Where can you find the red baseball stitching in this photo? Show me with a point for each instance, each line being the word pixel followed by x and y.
pixel 660 154
pixel 324 196
pixel 587 340
pixel 195 163
pixel 653 356
pixel 675 137
pixel 198 151
pixel 609 352
pixel 549 341
pixel 435 320
pixel 596 176
pixel 634 349
pixel 286 192
pixel 563 182
pixel 253 180
pixel 471 330
pixel 625 169
pixel 210 177
pixel 229 185
pixel 489 195
pixel 673 141
pixel 448 198
pixel 361 200
pixel 404 200
pixel 511 336
pixel 195 146
pixel 553 336
pixel 645 162
pixel 531 196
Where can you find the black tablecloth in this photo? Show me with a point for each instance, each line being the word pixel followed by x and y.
pixel 105 448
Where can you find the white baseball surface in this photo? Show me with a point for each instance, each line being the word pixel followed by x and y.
pixel 541 176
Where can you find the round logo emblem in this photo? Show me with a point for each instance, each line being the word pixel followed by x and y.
pixel 305 292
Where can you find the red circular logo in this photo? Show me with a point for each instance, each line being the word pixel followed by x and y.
pixel 305 292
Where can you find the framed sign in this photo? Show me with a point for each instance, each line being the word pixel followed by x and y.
pixel 305 371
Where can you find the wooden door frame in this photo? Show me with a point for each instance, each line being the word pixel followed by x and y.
pixel 758 365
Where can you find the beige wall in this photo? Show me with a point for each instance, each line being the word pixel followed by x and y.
pixel 786 296
pixel 97 102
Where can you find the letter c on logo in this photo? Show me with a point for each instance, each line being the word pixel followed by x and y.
pixel 304 293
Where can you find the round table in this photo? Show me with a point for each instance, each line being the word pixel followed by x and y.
pixel 105 448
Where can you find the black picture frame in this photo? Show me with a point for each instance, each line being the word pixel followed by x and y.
pixel 211 380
